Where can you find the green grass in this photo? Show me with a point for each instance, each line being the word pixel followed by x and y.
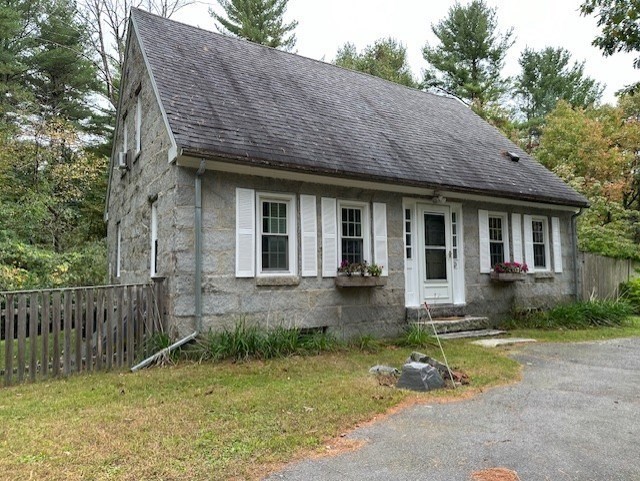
pixel 227 420
pixel 629 328
pixel 197 421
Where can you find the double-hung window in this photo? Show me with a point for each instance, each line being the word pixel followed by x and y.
pixel 497 236
pixel 154 239
pixel 540 242
pixel 266 234
pixel 276 231
pixel 353 227
pixel 493 239
pixel 352 234
pixel 274 235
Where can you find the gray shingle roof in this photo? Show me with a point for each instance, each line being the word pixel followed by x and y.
pixel 230 97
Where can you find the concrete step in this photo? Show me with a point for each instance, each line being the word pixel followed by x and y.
pixel 445 325
pixel 437 310
pixel 472 334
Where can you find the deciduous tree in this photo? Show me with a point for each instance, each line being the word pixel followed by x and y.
pixel 619 21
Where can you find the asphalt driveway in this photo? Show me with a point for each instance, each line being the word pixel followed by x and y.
pixel 575 416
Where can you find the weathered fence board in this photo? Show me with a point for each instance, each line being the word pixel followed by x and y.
pixel 601 276
pixel 63 331
pixel 33 335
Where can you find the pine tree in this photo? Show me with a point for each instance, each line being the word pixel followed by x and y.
pixel 260 21
pixel 469 59
pixel 386 58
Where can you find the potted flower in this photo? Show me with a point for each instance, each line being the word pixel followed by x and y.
pixel 509 271
pixel 359 274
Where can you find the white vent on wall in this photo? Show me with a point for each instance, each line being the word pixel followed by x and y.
pixel 122 160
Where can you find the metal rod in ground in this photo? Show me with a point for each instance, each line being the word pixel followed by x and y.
pixel 435 331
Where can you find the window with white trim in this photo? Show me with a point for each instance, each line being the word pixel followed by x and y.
pixel 497 235
pixel 276 234
pixel 493 233
pixel 125 135
pixel 407 233
pixel 353 228
pixel 154 239
pixel 138 124
pixel 118 248
pixel 540 241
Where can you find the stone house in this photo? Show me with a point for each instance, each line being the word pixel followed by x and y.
pixel 244 175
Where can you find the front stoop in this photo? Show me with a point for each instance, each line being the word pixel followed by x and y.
pixel 454 324
pixel 414 314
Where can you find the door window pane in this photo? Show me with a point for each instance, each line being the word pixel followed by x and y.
pixel 436 264
pixel 434 234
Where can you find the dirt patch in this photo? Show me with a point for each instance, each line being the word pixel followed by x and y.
pixel 495 474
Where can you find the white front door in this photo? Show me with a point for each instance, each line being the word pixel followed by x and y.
pixel 435 254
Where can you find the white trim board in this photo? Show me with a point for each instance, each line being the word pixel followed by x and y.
pixel 234 168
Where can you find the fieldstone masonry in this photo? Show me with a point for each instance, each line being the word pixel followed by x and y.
pixel 298 301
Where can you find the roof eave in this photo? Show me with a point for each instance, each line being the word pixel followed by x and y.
pixel 283 166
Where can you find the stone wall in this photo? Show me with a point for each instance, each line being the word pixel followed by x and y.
pixel 310 302
pixel 150 178
pixel 497 300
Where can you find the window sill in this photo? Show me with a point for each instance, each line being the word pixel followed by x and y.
pixel 282 280
pixel 542 275
pixel 360 281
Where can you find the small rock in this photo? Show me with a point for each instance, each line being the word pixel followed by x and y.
pixel 386 370
pixel 418 376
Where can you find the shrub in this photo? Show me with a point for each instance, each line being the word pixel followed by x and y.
pixel 578 315
pixel 630 292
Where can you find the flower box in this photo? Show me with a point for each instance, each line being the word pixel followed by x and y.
pixel 360 281
pixel 508 276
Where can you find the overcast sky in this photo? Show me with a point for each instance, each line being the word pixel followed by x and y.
pixel 325 25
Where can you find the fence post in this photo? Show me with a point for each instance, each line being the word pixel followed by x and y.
pixel 33 336
pixel 8 340
pixel 22 334
pixel 67 332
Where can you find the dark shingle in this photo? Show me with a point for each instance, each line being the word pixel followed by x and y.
pixel 229 97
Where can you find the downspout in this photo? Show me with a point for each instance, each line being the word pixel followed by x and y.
pixel 574 241
pixel 197 274
pixel 198 246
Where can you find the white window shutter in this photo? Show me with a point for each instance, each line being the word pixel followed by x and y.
pixel 329 237
pixel 483 233
pixel 557 244
pixel 309 235
pixel 380 254
pixel 245 233
pixel 516 235
pixel 528 242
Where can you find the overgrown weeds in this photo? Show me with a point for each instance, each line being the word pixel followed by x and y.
pixel 630 292
pixel 578 315
pixel 416 335
pixel 245 341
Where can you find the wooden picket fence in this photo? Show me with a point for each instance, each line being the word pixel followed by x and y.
pixel 57 332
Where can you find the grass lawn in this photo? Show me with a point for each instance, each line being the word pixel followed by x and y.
pixel 218 421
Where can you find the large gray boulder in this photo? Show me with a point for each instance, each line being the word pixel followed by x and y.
pixel 420 376
pixel 419 357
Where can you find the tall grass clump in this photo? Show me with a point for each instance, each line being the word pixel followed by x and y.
pixel 245 341
pixel 416 335
pixel 578 315
pixel 630 292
